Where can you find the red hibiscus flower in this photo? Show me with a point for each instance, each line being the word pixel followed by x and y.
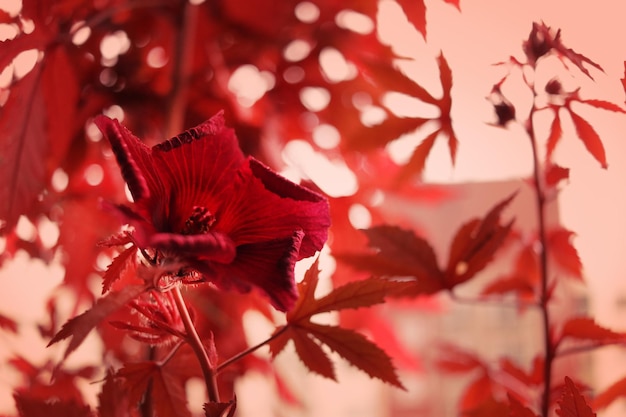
pixel 202 211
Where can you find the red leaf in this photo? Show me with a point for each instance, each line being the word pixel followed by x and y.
pixel 24 148
pixel 515 284
pixel 357 350
pixel 517 409
pixel 415 11
pixel 118 267
pixel 606 105
pixel 167 392
pixel 475 243
pixel 564 253
pixel 556 131
pixel 381 134
pixel 40 407
pixel 554 174
pixel 445 105
pixel 113 400
pixel 416 164
pixel 534 377
pixel 388 78
pixel 585 328
pixel 455 3
pixel 457 360
pixel 350 345
pixel 311 353
pixel 590 138
pixel 356 294
pixel 572 403
pixel 610 394
pixel 8 324
pixel 220 409
pixel 488 407
pixel 477 394
pixel 399 253
pixel 79 327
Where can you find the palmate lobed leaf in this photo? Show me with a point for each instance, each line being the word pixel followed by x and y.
pixel 399 252
pixel 124 261
pixel 77 328
pixel 167 393
pixel 356 294
pixel 40 407
pixel 586 328
pixel 113 399
pixel 475 244
pixel 355 348
pixel 310 352
pixel 572 403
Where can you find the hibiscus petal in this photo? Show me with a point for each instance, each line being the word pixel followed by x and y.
pixel 269 207
pixel 210 246
pixel 268 266
pixel 199 168
pixel 132 155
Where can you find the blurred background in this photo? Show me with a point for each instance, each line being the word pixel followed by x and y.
pixel 491 162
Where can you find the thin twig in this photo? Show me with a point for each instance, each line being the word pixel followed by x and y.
pixel 196 344
pixel 248 351
pixel 492 300
pixel 171 353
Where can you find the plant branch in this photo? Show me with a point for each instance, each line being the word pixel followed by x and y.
pixel 181 70
pixel 588 348
pixel 543 263
pixel 491 300
pixel 196 344
pixel 248 351
pixel 171 353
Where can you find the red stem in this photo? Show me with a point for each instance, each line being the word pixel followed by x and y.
pixel 196 344
pixel 543 264
pixel 181 70
pixel 248 351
